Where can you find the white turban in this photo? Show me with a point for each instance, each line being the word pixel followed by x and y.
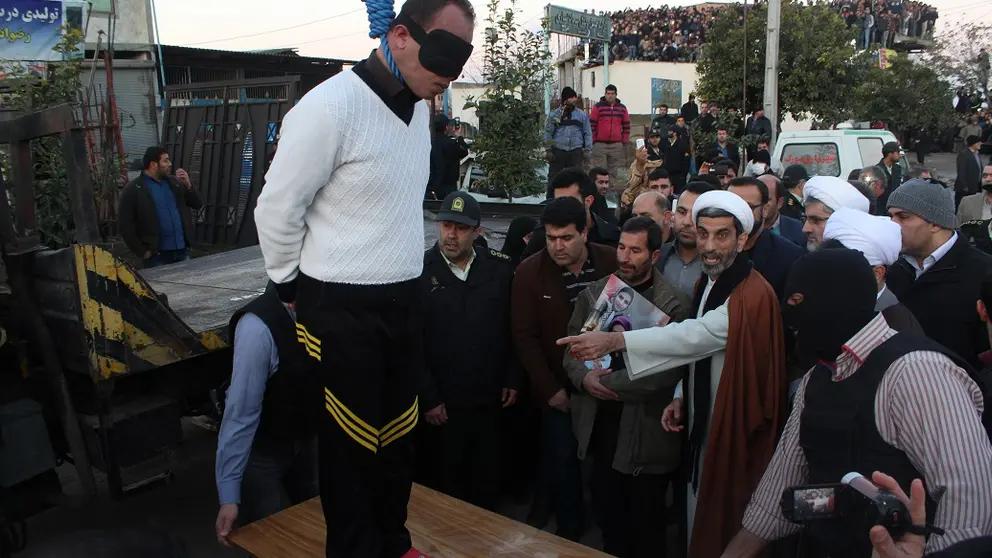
pixel 727 201
pixel 878 238
pixel 835 193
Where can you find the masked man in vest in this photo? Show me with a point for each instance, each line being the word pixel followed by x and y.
pixel 267 446
pixel 736 383
pixel 876 401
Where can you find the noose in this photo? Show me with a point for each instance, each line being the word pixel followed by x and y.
pixel 380 17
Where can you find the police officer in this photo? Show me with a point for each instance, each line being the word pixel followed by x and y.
pixel 267 445
pixel 469 373
pixel 794 178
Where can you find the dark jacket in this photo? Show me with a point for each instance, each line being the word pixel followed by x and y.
pixel 292 394
pixel 468 352
pixel 690 111
pixel 892 181
pixel 446 156
pixel 793 207
pixel 676 155
pixel 969 180
pixel 610 123
pixel 138 220
pixel 733 152
pixel 540 313
pixel 603 231
pixel 792 230
pixel 943 298
pixel 758 126
pixel 773 257
pixel 642 445
pixel 661 124
pixel 706 123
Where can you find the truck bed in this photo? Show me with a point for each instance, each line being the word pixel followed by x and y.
pixel 205 292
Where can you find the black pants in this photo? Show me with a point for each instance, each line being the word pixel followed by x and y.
pixel 366 344
pixel 630 509
pixel 470 455
pixel 560 475
pixel 279 474
pixel 561 159
pixel 678 182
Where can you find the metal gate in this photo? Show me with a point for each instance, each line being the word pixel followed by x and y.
pixel 224 134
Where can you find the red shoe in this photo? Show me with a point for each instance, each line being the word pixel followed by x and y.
pixel 414 553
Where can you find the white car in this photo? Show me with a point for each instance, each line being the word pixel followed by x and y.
pixel 834 152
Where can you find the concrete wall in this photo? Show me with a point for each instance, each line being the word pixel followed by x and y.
pixel 633 81
pixel 133 25
pixel 460 92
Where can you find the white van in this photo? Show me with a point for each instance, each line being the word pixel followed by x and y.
pixel 834 152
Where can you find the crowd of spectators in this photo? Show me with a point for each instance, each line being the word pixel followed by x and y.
pixel 879 22
pixel 676 33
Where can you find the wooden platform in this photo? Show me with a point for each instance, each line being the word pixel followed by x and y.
pixel 441 526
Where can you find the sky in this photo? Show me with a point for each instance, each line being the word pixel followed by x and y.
pixel 339 28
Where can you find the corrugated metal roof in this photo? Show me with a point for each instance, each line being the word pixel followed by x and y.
pixel 284 52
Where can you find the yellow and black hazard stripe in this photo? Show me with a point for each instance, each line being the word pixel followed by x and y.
pixel 363 433
pixel 357 429
pixel 309 342
pixel 401 425
pixel 128 328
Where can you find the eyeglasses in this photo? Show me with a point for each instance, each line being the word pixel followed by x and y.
pixel 817 221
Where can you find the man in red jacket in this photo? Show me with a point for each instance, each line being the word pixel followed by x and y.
pixel 610 135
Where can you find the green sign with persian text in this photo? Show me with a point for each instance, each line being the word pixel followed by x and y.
pixel 578 24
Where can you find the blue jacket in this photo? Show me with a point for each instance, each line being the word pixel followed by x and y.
pixel 569 134
pixel 791 229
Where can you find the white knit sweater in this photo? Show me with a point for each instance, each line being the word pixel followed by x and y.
pixel 342 201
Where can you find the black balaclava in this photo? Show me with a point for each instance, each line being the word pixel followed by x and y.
pixel 838 292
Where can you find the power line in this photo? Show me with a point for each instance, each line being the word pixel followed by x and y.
pixel 276 30
pixel 320 40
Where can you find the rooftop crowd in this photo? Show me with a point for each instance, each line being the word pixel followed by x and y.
pixel 676 33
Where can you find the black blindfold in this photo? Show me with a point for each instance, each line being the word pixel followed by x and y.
pixel 441 52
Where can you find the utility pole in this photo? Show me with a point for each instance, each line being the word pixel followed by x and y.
pixel 547 48
pixel 746 53
pixel 771 66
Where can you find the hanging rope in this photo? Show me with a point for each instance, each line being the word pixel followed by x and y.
pixel 380 17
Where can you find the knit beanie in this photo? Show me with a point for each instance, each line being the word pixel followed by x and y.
pixel 568 93
pixel 926 199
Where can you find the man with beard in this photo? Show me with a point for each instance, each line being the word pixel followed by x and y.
pixel 736 382
pixel 879 240
pixel 616 421
pixel 469 374
pixel 823 195
pixel 771 254
pixel 876 400
pixel 573 183
pixel 545 288
pixel 568 135
pixel 978 207
pixel 680 263
pixel 891 171
pixel 940 274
